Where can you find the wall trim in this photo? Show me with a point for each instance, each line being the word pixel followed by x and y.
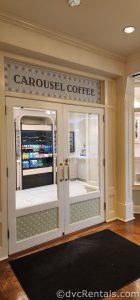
pixel 125 211
pixel 126 220
pixel 11 19
pixel 137 209
pixel 3 258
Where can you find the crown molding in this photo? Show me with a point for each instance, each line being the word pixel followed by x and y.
pixel 11 19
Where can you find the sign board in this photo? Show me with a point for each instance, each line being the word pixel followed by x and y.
pixel 39 81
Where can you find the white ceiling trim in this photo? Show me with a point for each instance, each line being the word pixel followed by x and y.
pixel 60 37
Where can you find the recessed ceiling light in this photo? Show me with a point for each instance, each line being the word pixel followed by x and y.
pixel 74 2
pixel 129 29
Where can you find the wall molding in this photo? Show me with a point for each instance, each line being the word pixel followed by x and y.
pixel 11 19
pixel 3 258
pixel 133 64
pixel 125 211
pixel 136 209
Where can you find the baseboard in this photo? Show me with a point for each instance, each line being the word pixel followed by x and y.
pixel 125 211
pixel 126 220
pixel 137 209
pixel 3 258
pixel 111 219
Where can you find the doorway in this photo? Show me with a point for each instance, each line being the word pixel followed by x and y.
pixel 55 170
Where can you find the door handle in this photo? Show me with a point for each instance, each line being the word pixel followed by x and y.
pixel 61 172
pixel 66 170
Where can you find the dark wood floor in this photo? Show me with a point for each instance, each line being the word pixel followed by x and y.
pixel 10 288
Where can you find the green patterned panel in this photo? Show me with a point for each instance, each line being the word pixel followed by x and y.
pixel 36 223
pixel 84 210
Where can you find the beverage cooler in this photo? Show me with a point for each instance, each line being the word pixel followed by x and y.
pixel 37 158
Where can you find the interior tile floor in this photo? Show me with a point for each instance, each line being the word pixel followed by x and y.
pixel 48 193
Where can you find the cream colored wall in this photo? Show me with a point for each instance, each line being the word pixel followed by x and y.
pixel 125 99
pixel 28 40
pixel 66 57
pixel 110 103
pixel 120 84
pixel 1 235
pixel 133 64
pixel 110 149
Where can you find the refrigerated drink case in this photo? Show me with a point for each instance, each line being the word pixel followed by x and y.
pixel 37 157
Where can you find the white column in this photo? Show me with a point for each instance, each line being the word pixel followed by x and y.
pixel 125 206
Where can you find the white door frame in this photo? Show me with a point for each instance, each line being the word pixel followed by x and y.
pixel 15 246
pixel 64 201
pixel 92 195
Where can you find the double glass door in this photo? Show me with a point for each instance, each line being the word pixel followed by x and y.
pixel 55 170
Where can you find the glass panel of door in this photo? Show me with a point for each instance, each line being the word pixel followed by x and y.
pixel 36 171
pixel 84 153
pixel 84 165
pixel 35 210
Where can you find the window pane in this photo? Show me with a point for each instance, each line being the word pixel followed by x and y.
pixel 137 148
pixel 137 97
pixel 84 153
pixel 36 157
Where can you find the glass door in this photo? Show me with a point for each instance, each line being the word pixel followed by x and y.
pixel 83 167
pixel 55 170
pixel 35 173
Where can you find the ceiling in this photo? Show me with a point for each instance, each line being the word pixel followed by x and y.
pixel 98 23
